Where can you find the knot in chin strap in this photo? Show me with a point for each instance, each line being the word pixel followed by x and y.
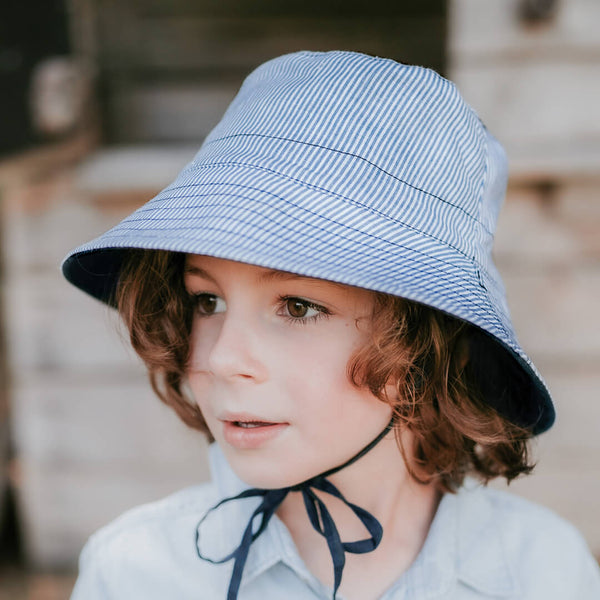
pixel 318 514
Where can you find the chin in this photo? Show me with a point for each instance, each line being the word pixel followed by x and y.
pixel 261 474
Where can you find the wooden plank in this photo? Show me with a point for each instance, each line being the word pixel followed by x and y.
pixel 63 420
pixel 166 112
pixel 63 506
pixel 536 104
pixel 299 8
pixel 548 252
pixel 152 55
pixel 490 32
pixel 133 169
pixel 218 44
pixel 555 312
pixel 90 449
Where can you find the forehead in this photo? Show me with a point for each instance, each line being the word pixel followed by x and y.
pixel 212 268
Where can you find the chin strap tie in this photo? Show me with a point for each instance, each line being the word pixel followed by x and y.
pixel 320 519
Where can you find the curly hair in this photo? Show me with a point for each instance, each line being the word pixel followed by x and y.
pixel 447 375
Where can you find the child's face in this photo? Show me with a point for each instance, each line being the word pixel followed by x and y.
pixel 269 369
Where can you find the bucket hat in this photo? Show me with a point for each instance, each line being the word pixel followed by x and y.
pixel 350 168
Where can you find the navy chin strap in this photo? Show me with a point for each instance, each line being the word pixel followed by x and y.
pixel 319 516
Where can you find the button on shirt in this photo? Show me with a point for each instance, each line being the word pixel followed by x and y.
pixel 482 543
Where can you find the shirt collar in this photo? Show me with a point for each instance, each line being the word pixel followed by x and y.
pixel 464 541
pixel 483 562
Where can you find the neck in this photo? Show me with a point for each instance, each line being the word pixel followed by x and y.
pixel 379 483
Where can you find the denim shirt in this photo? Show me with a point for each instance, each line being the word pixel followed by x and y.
pixel 482 543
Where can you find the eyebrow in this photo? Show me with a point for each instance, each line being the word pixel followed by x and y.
pixel 193 270
pixel 267 276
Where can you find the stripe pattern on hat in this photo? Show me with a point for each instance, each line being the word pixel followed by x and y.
pixel 349 168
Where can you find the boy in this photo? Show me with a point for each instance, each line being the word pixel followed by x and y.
pixel 316 292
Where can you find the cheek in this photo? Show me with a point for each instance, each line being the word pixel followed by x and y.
pixel 197 375
pixel 199 387
pixel 330 365
pixel 203 337
pixel 318 370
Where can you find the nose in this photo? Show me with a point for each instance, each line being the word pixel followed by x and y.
pixel 233 347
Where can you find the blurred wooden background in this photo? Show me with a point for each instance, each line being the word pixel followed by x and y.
pixel 84 437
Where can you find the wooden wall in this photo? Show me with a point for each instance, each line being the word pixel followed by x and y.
pixel 168 68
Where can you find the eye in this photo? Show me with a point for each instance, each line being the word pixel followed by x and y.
pixel 300 310
pixel 209 304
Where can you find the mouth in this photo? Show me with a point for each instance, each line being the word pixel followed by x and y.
pixel 253 424
pixel 249 431
pixel 246 420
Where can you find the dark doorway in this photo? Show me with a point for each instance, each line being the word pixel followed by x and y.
pixel 29 32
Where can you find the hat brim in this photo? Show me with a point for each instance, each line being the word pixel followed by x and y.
pixel 283 224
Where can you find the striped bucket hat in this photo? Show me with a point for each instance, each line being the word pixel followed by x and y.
pixel 344 167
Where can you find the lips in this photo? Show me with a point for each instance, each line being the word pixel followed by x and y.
pixel 246 419
pixel 244 431
pixel 253 424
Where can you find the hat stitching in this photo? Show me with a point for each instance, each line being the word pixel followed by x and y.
pixel 195 165
pixel 362 233
pixel 481 309
pixel 207 165
pixel 485 175
pixel 374 211
pixel 492 305
pixel 310 186
pixel 419 258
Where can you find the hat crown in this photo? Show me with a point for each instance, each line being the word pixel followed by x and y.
pixel 373 117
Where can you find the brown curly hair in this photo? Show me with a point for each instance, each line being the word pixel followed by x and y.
pixel 447 373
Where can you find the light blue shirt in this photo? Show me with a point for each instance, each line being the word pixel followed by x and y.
pixel 482 544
